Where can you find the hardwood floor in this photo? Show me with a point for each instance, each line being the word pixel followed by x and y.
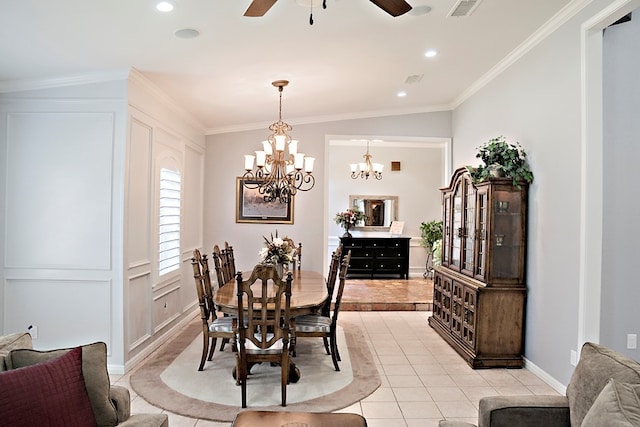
pixel 414 294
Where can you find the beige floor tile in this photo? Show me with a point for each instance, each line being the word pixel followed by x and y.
pixel 411 394
pixel 381 410
pixel 404 381
pixel 447 394
pixel 382 394
pixel 461 409
pixel 422 378
pixel 386 422
pixel 420 410
pixel 393 370
pixel 423 422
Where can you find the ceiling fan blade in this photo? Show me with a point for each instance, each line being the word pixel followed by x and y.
pixel 393 7
pixel 259 7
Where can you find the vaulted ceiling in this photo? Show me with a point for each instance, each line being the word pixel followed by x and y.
pixel 351 62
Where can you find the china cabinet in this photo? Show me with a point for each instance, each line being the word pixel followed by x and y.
pixel 479 289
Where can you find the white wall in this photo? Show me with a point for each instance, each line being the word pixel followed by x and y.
pixel 621 195
pixel 80 197
pixel 538 102
pixel 62 222
pixel 424 169
pixel 224 161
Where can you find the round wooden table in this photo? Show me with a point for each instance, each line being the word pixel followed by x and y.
pixel 308 293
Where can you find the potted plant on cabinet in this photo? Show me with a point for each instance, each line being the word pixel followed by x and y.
pixel 431 234
pixel 502 159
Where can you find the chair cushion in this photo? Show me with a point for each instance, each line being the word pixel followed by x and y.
pixel 597 365
pixel 618 404
pixel 222 324
pixel 313 323
pixel 94 370
pixel 11 342
pixel 50 393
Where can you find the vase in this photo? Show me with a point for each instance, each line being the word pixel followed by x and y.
pixel 346 231
pixel 496 171
pixel 281 269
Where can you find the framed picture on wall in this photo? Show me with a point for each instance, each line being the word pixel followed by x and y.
pixel 251 207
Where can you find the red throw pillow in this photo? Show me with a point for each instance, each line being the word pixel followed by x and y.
pixel 50 393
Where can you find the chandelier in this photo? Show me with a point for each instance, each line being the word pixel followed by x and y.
pixel 280 170
pixel 366 168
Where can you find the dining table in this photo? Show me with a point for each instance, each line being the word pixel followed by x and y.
pixel 308 294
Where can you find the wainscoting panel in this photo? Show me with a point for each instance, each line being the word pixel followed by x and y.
pixel 59 189
pixel 61 321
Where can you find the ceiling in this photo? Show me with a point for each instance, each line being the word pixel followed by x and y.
pixel 350 63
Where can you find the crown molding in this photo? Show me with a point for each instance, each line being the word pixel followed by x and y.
pixel 560 18
pixel 332 118
pixel 63 81
pixel 136 77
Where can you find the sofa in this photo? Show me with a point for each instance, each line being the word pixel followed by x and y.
pixel 604 390
pixel 63 387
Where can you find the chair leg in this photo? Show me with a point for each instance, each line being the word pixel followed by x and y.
pixel 284 369
pixel 292 346
pixel 205 350
pixel 212 349
pixel 326 344
pixel 223 343
pixel 334 352
pixel 241 372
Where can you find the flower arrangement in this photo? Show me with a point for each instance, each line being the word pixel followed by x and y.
pixel 277 250
pixel 349 218
pixel 502 159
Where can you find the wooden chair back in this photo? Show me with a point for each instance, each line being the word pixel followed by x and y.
pixel 331 280
pixel 343 278
pixel 218 265
pixel 264 304
pixel 231 260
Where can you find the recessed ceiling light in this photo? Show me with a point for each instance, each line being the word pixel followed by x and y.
pixel 187 33
pixel 431 53
pixel 402 94
pixel 164 6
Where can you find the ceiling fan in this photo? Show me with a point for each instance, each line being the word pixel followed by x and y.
pixel 392 7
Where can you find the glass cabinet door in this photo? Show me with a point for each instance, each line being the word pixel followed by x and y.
pixel 506 238
pixel 456 235
pixel 446 229
pixel 481 234
pixel 468 228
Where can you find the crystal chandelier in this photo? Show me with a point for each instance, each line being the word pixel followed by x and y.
pixel 279 176
pixel 366 168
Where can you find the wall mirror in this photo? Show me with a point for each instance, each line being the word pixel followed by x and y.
pixel 379 210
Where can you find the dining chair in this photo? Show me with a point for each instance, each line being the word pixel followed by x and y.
pixel 321 325
pixel 325 310
pixel 231 261
pixel 222 275
pixel 297 258
pixel 217 263
pixel 263 324
pixel 213 327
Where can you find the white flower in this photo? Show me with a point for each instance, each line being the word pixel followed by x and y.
pixel 277 242
pixel 264 252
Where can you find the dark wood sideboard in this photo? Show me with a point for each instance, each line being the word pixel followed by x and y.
pixel 377 257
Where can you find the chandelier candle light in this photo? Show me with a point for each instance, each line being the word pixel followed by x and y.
pixel 366 168
pixel 279 176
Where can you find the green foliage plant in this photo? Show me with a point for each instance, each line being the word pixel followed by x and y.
pixel 431 232
pixel 502 159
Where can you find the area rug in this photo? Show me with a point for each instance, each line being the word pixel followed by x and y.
pixel 170 380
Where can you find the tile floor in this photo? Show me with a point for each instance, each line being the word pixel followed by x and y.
pixel 423 379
